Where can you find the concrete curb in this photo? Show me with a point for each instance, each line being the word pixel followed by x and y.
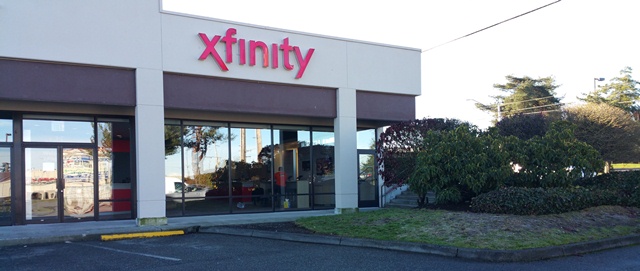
pixel 525 255
pixel 150 234
pixel 49 239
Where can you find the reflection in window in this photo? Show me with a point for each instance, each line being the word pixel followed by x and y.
pixel 292 177
pixel 5 186
pixel 205 156
pixel 251 172
pixel 215 168
pixel 6 130
pixel 41 177
pixel 57 131
pixel 367 139
pixel 114 169
pixel 173 168
pixel 324 168
pixel 196 167
pixel 77 172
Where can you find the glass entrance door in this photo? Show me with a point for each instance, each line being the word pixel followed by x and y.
pixel 59 184
pixel 367 180
pixel 78 184
pixel 42 185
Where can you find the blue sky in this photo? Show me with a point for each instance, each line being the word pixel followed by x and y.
pixel 571 40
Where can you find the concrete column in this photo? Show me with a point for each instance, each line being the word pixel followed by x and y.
pixel 346 152
pixel 149 148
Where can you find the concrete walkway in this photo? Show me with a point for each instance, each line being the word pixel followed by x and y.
pixel 92 230
pixel 51 233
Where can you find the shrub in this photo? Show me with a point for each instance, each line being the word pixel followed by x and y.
pixel 555 160
pixel 541 201
pixel 460 164
pixel 626 185
pixel 398 145
pixel 523 126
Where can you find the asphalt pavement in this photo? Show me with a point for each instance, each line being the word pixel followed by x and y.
pixel 98 230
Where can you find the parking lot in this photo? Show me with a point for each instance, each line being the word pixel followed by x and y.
pixel 222 252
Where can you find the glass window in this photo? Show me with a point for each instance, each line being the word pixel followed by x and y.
pixel 251 168
pixel 114 169
pixel 324 170
pixel 205 168
pixel 173 168
pixel 5 186
pixel 367 139
pixel 6 130
pixel 213 168
pixel 57 131
pixel 292 165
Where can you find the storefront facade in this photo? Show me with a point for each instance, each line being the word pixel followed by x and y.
pixel 122 110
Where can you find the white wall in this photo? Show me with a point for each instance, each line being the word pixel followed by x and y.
pixel 111 33
pixel 132 34
pixel 335 62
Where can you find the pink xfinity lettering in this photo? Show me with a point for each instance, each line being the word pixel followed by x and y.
pixel 210 49
pixel 303 62
pixel 253 46
pixel 229 43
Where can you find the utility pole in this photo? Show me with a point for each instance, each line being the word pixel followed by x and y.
pixel 594 82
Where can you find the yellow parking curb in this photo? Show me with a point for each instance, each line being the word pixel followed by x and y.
pixel 111 237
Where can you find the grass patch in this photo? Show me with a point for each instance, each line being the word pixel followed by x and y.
pixel 474 230
pixel 625 165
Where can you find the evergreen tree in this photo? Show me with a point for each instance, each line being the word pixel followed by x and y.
pixel 525 96
pixel 621 92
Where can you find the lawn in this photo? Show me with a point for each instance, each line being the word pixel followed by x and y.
pixel 480 230
pixel 625 166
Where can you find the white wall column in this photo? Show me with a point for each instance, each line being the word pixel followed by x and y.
pixel 346 152
pixel 149 148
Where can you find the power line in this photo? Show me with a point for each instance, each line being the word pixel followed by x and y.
pixel 540 112
pixel 523 101
pixel 534 107
pixel 535 99
pixel 492 25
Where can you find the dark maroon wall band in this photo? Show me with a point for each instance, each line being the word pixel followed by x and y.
pixel 55 82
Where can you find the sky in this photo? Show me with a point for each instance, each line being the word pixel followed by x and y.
pixel 574 41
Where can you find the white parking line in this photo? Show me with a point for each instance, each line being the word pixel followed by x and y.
pixel 129 252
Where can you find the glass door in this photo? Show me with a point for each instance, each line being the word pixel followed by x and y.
pixel 367 180
pixel 59 184
pixel 42 185
pixel 78 184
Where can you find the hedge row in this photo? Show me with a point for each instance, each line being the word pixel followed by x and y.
pixel 621 188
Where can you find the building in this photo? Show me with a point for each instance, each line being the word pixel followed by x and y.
pixel 120 110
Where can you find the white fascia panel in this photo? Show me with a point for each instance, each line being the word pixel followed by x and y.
pixel 110 33
pixel 384 69
pixel 182 47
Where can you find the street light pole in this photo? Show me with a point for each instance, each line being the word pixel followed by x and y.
pixel 498 104
pixel 6 137
pixel 594 82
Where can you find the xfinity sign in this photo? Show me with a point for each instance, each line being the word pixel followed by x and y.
pixel 251 48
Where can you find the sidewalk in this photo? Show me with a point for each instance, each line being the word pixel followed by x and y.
pixel 92 230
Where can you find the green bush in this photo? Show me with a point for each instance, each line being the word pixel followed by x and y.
pixel 460 164
pixel 626 184
pixel 554 160
pixel 541 201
